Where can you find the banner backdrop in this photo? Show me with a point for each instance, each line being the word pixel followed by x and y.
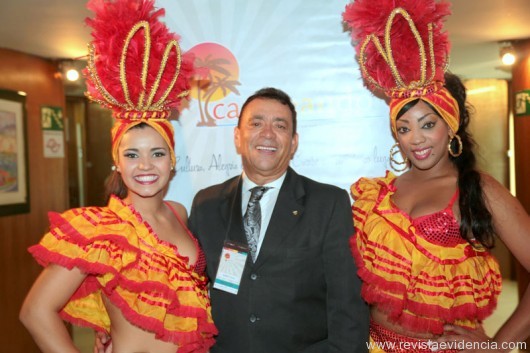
pixel 298 46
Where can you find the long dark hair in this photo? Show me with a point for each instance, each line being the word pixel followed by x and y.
pixel 114 185
pixel 476 223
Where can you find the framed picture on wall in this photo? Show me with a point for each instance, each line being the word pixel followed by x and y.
pixel 14 175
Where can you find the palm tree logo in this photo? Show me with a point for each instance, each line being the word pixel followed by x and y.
pixel 221 80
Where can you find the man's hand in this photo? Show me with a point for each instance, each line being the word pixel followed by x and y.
pixel 103 343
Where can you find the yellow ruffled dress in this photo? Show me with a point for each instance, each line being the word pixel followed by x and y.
pixel 419 271
pixel 145 277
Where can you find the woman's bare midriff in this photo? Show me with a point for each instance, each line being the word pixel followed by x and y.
pixel 382 319
pixel 127 338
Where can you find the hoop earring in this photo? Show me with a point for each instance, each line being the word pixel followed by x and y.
pixel 394 163
pixel 460 146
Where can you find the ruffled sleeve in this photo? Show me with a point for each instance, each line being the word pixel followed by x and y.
pixel 420 284
pixel 92 239
pixel 146 278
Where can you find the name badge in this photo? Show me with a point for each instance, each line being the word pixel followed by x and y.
pixel 231 267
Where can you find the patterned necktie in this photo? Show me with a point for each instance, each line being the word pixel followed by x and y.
pixel 252 219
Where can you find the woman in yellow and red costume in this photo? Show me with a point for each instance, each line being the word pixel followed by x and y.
pixel 132 268
pixel 422 238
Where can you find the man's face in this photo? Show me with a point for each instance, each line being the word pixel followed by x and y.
pixel 265 140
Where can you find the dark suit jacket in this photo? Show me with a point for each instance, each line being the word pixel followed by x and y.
pixel 302 294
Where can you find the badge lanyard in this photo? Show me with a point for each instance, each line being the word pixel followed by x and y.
pixel 233 258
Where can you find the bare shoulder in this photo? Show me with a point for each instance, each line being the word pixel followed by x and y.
pixel 494 191
pixel 180 209
pixel 510 219
pixel 501 202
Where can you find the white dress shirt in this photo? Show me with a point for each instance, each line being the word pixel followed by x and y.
pixel 266 203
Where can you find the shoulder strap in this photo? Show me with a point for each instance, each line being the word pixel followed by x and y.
pixel 453 199
pixel 176 215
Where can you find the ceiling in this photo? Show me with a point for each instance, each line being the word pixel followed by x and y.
pixel 54 29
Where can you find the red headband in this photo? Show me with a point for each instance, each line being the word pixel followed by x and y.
pixel 162 126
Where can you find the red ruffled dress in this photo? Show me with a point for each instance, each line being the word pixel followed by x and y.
pixel 419 271
pixel 145 277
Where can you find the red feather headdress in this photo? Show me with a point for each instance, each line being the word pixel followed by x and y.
pixel 404 51
pixel 135 66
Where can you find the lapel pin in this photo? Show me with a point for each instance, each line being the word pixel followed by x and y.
pixel 295 213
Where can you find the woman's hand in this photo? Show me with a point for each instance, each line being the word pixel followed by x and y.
pixel 468 341
pixel 103 343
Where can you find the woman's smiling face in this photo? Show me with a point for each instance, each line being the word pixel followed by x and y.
pixel 423 136
pixel 144 162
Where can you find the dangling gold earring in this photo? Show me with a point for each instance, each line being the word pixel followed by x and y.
pixel 460 146
pixel 394 162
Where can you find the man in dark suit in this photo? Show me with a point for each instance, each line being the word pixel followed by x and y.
pixel 301 293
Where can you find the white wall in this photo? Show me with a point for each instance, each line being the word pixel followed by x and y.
pixel 299 47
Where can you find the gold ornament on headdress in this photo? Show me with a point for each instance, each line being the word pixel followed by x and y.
pixel 417 70
pixel 147 108
pixel 402 89
pixel 136 67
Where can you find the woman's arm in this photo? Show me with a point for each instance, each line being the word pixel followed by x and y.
pixel 40 310
pixel 512 225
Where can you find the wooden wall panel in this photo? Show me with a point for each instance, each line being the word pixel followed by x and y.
pixel 98 152
pixel 48 191
pixel 521 81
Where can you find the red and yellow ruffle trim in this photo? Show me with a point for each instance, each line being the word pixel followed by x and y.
pixel 146 278
pixel 419 284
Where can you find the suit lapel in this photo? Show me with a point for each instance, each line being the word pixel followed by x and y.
pixel 230 209
pixel 287 211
